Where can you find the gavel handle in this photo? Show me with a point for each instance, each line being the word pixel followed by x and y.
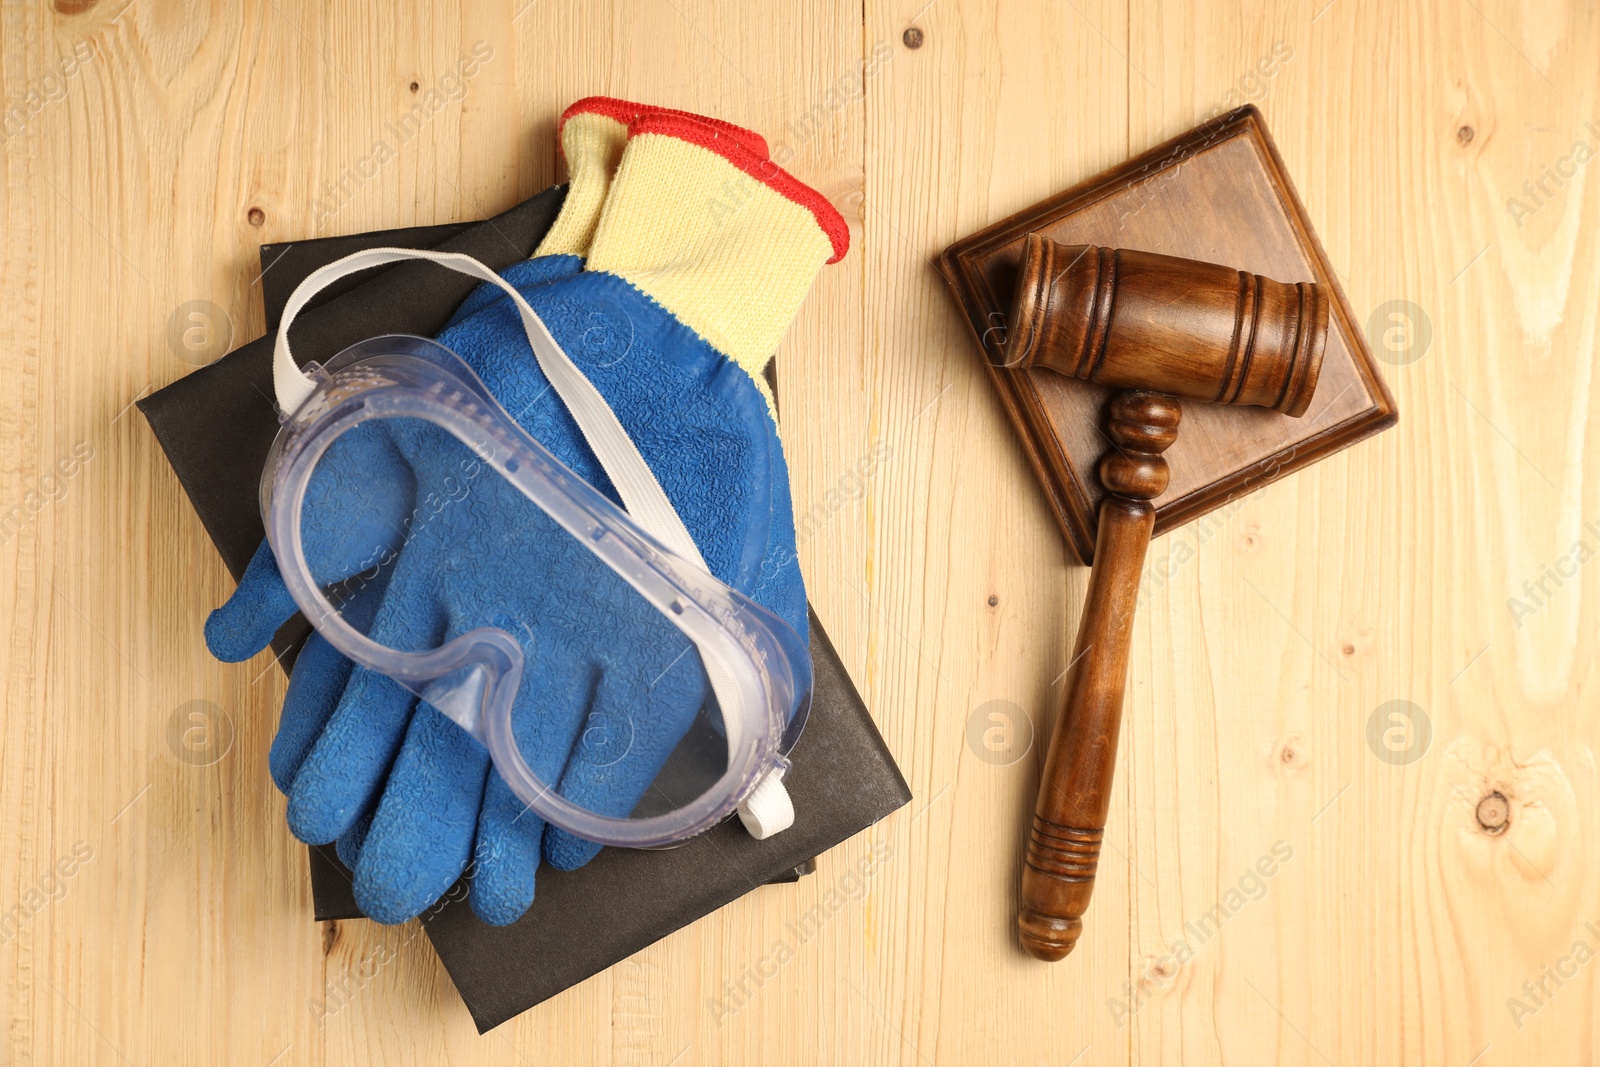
pixel 1069 820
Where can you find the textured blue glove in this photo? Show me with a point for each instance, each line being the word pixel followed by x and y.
pixel 641 330
pixel 592 135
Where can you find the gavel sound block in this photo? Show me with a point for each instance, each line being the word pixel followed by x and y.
pixel 1161 329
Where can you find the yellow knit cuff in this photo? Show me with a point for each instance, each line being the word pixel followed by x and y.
pixel 592 144
pixel 724 240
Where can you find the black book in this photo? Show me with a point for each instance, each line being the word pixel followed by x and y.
pixel 216 426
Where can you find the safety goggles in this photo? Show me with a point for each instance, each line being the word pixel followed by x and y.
pixel 431 539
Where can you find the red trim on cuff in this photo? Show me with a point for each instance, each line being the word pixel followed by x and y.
pixel 768 173
pixel 627 113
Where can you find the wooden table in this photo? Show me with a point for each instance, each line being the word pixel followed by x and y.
pixel 1427 858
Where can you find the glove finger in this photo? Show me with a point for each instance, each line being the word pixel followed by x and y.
pixel 245 624
pixel 346 765
pixel 634 727
pixel 549 709
pixel 320 676
pixel 422 831
pixel 505 861
pixel 343 773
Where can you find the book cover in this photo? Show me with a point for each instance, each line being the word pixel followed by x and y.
pixel 216 426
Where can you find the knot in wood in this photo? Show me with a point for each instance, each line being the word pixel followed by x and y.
pixel 1494 813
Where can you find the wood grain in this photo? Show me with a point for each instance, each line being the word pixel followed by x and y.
pixel 1393 926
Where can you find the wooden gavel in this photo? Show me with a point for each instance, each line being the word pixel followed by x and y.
pixel 1160 328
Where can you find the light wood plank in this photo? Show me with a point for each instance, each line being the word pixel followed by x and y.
pixel 1398 932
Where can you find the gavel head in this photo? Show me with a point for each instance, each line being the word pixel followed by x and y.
pixel 1138 320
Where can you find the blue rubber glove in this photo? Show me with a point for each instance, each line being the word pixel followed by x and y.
pixel 591 135
pixel 698 416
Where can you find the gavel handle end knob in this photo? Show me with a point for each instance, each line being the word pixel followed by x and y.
pixel 1057 879
pixel 1046 938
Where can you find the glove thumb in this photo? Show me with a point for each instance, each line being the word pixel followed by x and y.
pixel 245 624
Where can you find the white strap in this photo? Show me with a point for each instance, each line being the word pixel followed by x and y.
pixel 767 810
